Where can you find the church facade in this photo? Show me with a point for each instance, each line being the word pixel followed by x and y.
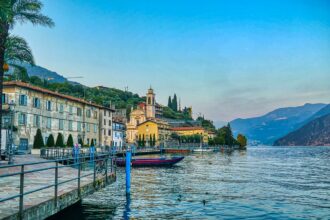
pixel 144 125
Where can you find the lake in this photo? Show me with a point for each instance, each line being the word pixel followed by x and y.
pixel 260 183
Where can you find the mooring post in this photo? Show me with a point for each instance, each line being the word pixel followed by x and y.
pixel 128 171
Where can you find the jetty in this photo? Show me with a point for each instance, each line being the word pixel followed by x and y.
pixel 37 188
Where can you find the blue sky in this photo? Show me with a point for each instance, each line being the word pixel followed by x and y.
pixel 227 59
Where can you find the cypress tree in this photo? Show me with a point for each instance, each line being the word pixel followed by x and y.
pixel 92 143
pixel 143 141
pixel 69 142
pixel 81 142
pixel 38 140
pixel 169 104
pixel 59 140
pixel 50 141
pixel 154 140
pixel 175 103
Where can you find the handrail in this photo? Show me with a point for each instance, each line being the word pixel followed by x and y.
pixel 99 157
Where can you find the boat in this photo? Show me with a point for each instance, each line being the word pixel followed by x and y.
pixel 148 162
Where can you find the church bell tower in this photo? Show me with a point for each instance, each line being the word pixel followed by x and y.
pixel 150 104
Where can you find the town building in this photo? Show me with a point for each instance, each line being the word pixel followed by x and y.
pixel 144 121
pixel 119 133
pixel 53 113
pixel 188 131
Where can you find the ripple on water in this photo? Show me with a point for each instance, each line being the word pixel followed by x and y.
pixel 262 183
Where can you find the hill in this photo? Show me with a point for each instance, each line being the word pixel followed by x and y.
pixel 314 133
pixel 275 124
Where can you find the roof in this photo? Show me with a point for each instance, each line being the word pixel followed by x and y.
pixel 156 121
pixel 187 128
pixel 46 91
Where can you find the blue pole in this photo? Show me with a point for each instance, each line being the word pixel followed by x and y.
pixel 128 172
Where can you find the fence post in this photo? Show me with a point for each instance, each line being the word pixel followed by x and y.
pixel 21 192
pixel 79 190
pixel 94 176
pixel 56 183
pixel 106 170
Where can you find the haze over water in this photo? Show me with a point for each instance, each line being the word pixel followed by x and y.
pixel 260 183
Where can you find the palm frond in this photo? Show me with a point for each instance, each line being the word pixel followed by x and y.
pixel 18 50
pixel 29 11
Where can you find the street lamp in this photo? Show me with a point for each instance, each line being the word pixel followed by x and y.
pixel 11 138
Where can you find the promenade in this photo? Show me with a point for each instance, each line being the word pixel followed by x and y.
pixel 48 201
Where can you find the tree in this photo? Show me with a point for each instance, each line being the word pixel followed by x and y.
pixel 169 103
pixel 92 143
pixel 12 11
pixel 175 103
pixel 242 140
pixel 154 140
pixel 59 140
pixel 38 140
pixel 81 142
pixel 143 141
pixel 69 142
pixel 50 141
pixel 140 141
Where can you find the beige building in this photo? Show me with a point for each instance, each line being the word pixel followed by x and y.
pixel 55 113
pixel 143 117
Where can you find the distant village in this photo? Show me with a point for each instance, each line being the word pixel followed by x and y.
pixel 72 119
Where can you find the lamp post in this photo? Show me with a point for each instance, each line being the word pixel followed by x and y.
pixel 11 138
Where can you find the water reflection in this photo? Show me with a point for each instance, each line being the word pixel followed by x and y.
pixel 261 183
pixel 127 210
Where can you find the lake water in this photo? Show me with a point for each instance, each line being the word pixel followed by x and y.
pixel 260 183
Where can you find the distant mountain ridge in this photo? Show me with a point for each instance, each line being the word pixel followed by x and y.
pixel 314 133
pixel 275 124
pixel 43 73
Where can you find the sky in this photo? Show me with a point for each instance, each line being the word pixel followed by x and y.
pixel 226 59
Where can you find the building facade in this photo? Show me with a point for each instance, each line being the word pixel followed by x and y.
pixel 53 113
pixel 153 130
pixel 146 112
pixel 188 131
pixel 119 135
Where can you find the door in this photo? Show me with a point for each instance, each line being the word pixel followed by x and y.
pixel 23 144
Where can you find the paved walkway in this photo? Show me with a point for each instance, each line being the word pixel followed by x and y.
pixel 9 186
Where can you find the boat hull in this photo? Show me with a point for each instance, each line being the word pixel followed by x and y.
pixel 150 162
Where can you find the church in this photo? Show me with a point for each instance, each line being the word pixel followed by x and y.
pixel 143 125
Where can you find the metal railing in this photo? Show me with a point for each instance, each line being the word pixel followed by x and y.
pixel 102 165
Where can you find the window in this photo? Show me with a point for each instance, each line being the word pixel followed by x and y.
pixel 87 141
pixel 36 121
pixel 79 112
pixel 109 122
pixel 4 99
pixel 23 100
pixel 104 132
pixel 109 132
pixel 61 108
pixel 79 126
pixel 88 127
pixel 22 119
pixel 49 123
pixel 105 122
pixel 95 128
pixel 70 125
pixel 36 102
pixel 109 113
pixel 48 105
pixel 105 113
pixel 61 124
pixel 95 114
pixel 70 110
pixel 88 113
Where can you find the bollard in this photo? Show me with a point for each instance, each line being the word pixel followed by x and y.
pixel 128 172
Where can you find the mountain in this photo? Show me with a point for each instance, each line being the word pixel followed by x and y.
pixel 43 73
pixel 314 133
pixel 273 125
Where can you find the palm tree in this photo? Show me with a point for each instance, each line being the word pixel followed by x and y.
pixel 12 11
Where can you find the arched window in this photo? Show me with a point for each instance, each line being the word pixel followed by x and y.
pixel 149 101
